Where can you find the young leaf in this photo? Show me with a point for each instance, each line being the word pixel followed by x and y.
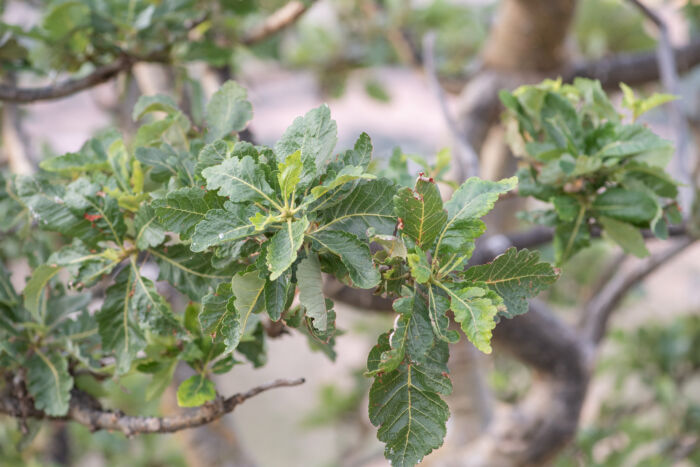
pixel 289 174
pixel 438 305
pixel 475 310
pixel 49 382
pixel 310 285
pixel 195 391
pixel 421 212
pixel 314 135
pixel 227 111
pixel 515 276
pixel 353 253
pixel 284 245
pixel 420 269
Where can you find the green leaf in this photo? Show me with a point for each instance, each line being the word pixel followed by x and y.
pixel 420 269
pixel 370 204
pixel 632 206
pixel 353 253
pixel 406 405
pixel 49 382
pixel 421 212
pixel 284 245
pixel 412 334
pixel 634 139
pixel 190 273
pixel 627 236
pixel 85 266
pixel 458 241
pixel 438 305
pixel 74 162
pixel 570 238
pixel 476 197
pixel 118 322
pixel 515 276
pixel 195 391
pixel 218 317
pixel 212 154
pixel 181 210
pixel 46 203
pixel 315 136
pixel 567 207
pixel 289 174
pixel 276 296
pixel 310 285
pixel 475 310
pixel 249 298
pixel 154 103
pixel 227 111
pixel 223 226
pixel 149 232
pixel 166 162
pixel 241 180
pixel 33 291
pixel 347 174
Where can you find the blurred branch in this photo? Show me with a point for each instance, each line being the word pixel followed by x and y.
pixel 278 20
pixel 599 309
pixel 87 411
pixel 670 82
pixel 467 161
pixel 633 68
pixel 124 62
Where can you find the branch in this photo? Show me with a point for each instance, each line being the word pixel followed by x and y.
pixel 467 159
pixel 633 68
pixel 599 309
pixel 100 75
pixel 87 411
pixel 278 20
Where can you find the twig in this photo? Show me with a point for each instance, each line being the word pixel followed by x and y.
pixel 87 411
pixel 670 82
pixel 465 152
pixel 599 309
pixel 278 20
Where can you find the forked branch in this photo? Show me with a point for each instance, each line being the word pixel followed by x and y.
pixel 87 411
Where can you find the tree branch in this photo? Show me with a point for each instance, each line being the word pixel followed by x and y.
pixel 278 20
pixel 65 88
pixel 633 68
pixel 87 411
pixel 599 309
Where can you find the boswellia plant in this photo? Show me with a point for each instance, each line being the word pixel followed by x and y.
pixel 247 233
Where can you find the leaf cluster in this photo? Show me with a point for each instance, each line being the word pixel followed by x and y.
pixel 245 234
pixel 598 172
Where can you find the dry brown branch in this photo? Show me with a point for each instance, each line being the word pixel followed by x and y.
pixel 278 20
pixel 87 411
